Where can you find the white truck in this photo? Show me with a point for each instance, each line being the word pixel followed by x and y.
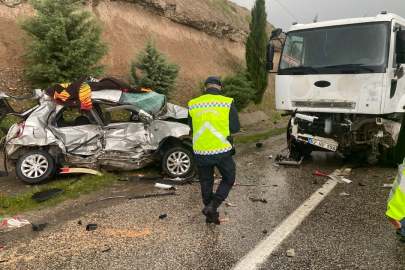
pixel 342 83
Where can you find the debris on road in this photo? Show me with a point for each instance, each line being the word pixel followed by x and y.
pixel 361 184
pixel 15 222
pixel 106 250
pixel 258 145
pixel 270 157
pixel 252 185
pixel 229 204
pixel 290 252
pixel 141 178
pixel 258 200
pixel 47 194
pixel 343 194
pixel 132 197
pixel 91 227
pixel 315 182
pixel 80 170
pixel 387 185
pixel 38 227
pixel 334 176
pixel 276 165
pixel 162 216
pixel 264 231
pixel 222 219
pixel 163 186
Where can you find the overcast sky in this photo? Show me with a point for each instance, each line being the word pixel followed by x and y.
pixel 282 13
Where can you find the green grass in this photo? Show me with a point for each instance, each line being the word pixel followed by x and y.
pixel 261 136
pixel 74 188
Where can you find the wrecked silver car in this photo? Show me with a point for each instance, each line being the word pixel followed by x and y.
pixel 122 131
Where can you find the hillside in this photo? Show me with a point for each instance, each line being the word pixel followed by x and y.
pixel 205 37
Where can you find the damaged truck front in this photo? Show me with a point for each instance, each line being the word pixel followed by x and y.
pixel 342 84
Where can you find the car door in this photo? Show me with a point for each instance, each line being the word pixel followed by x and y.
pixel 126 130
pixel 78 131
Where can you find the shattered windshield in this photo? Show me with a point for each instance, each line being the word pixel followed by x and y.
pixel 360 48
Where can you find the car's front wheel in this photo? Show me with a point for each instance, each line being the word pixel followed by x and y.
pixel 177 162
pixel 35 166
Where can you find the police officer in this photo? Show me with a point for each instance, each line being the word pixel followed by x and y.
pixel 396 202
pixel 212 118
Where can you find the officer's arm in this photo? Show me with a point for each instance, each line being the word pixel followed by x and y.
pixel 190 123
pixel 234 124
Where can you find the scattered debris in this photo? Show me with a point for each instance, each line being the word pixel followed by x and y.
pixel 270 157
pixel 258 200
pixel 38 227
pixel 387 185
pixel 321 193
pixel 91 227
pixel 106 250
pixel 290 252
pixel 141 178
pixel 315 182
pixel 132 197
pixel 285 158
pixel 276 165
pixel 15 222
pixel 343 194
pixel 162 216
pixel 361 184
pixel 163 186
pixel 47 194
pixel 222 219
pixel 3 261
pixel 80 170
pixel 251 185
pixel 259 144
pixel 264 231
pixel 79 222
pixel 229 204
pixel 334 176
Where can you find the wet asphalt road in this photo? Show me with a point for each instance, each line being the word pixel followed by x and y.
pixel 343 232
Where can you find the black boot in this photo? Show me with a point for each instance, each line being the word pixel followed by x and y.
pixel 209 220
pixel 210 210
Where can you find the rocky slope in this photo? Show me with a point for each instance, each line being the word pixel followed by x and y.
pixel 206 37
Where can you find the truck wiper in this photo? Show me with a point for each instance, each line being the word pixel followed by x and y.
pixel 302 67
pixel 351 65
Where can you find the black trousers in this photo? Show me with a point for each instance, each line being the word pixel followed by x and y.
pixel 227 168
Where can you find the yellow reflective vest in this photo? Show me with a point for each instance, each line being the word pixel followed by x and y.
pixel 210 115
pixel 396 199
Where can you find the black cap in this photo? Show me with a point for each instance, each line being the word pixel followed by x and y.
pixel 213 80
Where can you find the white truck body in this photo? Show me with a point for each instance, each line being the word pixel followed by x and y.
pixel 342 83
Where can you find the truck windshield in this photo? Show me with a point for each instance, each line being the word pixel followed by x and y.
pixel 356 48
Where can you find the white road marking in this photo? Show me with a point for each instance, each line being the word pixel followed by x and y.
pixel 259 254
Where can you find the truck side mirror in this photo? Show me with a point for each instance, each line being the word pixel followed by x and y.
pixel 400 47
pixel 269 56
pixel 275 33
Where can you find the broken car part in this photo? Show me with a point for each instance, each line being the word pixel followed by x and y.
pixel 47 194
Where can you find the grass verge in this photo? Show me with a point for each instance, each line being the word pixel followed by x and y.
pixel 261 136
pixel 74 188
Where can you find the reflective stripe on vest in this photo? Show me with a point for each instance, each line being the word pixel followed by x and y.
pixel 396 199
pixel 210 115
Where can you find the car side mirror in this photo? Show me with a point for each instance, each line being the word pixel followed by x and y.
pixel 269 56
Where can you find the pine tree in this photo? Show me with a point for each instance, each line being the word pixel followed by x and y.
pixel 65 43
pixel 256 51
pixel 239 88
pixel 155 72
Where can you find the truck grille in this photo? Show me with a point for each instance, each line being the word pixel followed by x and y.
pixel 324 104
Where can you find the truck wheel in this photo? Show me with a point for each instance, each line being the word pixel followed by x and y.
pixel 35 166
pixel 177 162
pixel 394 155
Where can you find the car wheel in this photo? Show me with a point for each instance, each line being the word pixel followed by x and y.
pixel 177 162
pixel 35 166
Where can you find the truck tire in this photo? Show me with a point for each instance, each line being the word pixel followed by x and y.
pixel 393 156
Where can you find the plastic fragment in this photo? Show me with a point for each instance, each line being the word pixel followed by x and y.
pixel 163 216
pixel 290 252
pixel 15 222
pixel 387 185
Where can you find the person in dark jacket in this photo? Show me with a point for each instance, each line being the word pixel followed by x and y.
pixel 212 119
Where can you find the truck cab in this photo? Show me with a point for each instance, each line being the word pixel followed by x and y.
pixel 342 83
